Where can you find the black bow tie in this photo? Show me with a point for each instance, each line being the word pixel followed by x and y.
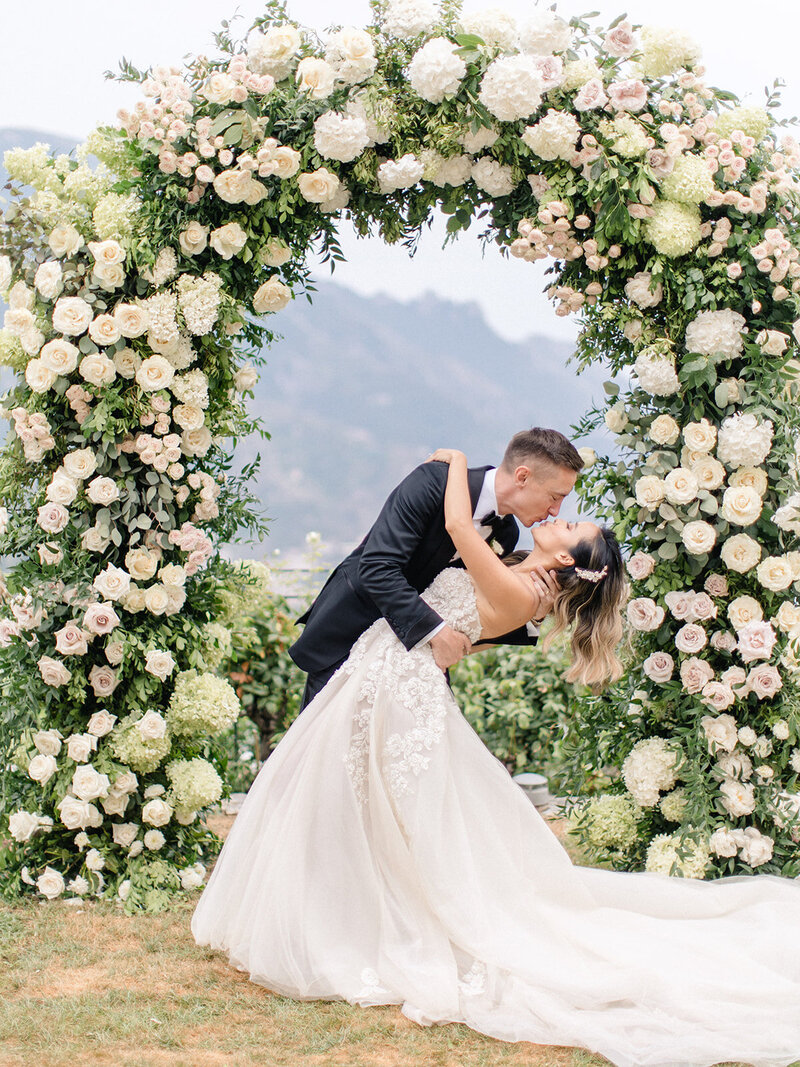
pixel 489 519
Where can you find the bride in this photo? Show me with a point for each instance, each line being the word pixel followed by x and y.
pixel 384 856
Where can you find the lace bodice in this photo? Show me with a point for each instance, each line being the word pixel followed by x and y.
pixel 452 595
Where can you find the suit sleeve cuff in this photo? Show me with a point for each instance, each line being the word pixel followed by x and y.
pixel 433 633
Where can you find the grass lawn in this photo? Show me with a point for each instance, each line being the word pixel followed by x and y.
pixel 84 986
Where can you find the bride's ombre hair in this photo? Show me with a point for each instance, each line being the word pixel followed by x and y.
pixel 592 609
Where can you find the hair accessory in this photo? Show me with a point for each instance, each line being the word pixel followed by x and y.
pixel 591 576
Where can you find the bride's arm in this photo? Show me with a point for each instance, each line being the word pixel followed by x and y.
pixel 506 595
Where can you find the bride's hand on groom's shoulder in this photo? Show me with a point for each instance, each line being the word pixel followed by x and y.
pixel 445 455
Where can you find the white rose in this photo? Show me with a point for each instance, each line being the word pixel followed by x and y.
pixel 100 618
pixel 755 477
pixel 64 241
pixel 49 279
pixel 738 798
pixel 744 610
pixel 193 239
pixel 112 583
pixel 124 833
pixel 131 320
pixel 103 680
pixel 50 883
pixel 787 617
pixel 101 723
pixel 107 253
pixel 741 505
pixel 154 840
pixel 229 240
pixel 245 378
pixel 641 291
pixel 22 825
pixel 77 814
pixel 172 574
pixel 97 369
pixel 318 186
pixel 720 731
pixel 60 356
pixel 698 537
pixel 42 768
pixel 196 442
pixel 80 464
pixel 775 573
pixel 315 77
pixel 141 564
pixel 72 316
pixel 156 599
pixel 62 489
pixel 700 436
pixel 89 784
pixel 649 491
pixel 664 430
pixel 723 843
pixel 275 253
pixel 159 663
pixel 680 486
pixel 81 746
pixel 71 640
pixel 709 472
pixel 48 742
pixel 156 812
pixel 53 672
pixel 152 726
pixel 104 331
pixel 218 89
pixel 740 553
pixel 155 373
pixel 39 376
pixel 273 295
pixel 102 490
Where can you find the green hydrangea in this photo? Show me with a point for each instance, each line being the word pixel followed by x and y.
pixel 677 853
pixel 202 704
pixel 194 784
pixel 666 50
pixel 114 217
pixel 752 121
pixel 611 822
pixel 217 643
pixel 628 137
pixel 673 805
pixel 32 166
pixel 579 72
pixel 690 181
pixel 11 351
pixel 673 229
pixel 140 753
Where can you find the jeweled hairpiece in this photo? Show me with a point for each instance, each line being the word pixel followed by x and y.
pixel 591 576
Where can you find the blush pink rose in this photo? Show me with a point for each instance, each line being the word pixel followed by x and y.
pixel 756 641
pixel 659 667
pixel 764 680
pixel 690 638
pixel 717 695
pixel 723 641
pixel 640 566
pixel 716 585
pixel 628 95
pixel 644 614
pixel 696 673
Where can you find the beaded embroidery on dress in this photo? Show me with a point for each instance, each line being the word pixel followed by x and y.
pixel 384 856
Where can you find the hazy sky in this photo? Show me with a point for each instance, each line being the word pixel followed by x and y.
pixel 53 55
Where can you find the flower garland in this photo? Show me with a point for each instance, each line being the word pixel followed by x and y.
pixel 670 219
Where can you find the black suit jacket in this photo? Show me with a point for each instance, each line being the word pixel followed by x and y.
pixel 400 556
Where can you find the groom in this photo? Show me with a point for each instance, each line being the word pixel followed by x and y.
pixel 408 546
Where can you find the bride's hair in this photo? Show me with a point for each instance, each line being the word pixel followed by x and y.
pixel 591 608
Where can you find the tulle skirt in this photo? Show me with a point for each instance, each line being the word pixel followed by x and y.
pixel 384 856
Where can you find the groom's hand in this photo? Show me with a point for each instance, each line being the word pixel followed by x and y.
pixel 449 646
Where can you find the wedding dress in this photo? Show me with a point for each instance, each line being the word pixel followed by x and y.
pixel 384 856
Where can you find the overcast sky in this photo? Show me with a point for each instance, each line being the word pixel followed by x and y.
pixel 53 55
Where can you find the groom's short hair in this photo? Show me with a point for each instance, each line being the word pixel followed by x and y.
pixel 540 443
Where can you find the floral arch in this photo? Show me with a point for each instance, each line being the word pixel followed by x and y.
pixel 137 292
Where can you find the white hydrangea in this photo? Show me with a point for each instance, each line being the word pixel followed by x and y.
pixel 666 50
pixel 436 70
pixel 787 516
pixel 679 854
pixel 477 140
pixel 650 768
pixel 338 136
pixel 454 170
pixel 495 27
pixel 512 88
pixel 407 19
pixel 400 174
pixel 554 136
pixel 544 33
pixel 351 54
pixel 275 51
pixel 199 300
pixel 713 332
pixel 656 373
pixel 194 784
pixel 743 441
pixel 494 178
pixel 689 181
pixel 377 115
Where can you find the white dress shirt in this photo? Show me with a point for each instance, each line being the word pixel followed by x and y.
pixel 487 501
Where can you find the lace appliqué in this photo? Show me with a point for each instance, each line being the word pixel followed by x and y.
pixel 371 989
pixel 414 681
pixel 473 983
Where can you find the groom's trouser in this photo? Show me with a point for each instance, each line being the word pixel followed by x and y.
pixel 317 680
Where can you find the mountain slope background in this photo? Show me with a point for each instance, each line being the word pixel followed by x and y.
pixel 357 390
